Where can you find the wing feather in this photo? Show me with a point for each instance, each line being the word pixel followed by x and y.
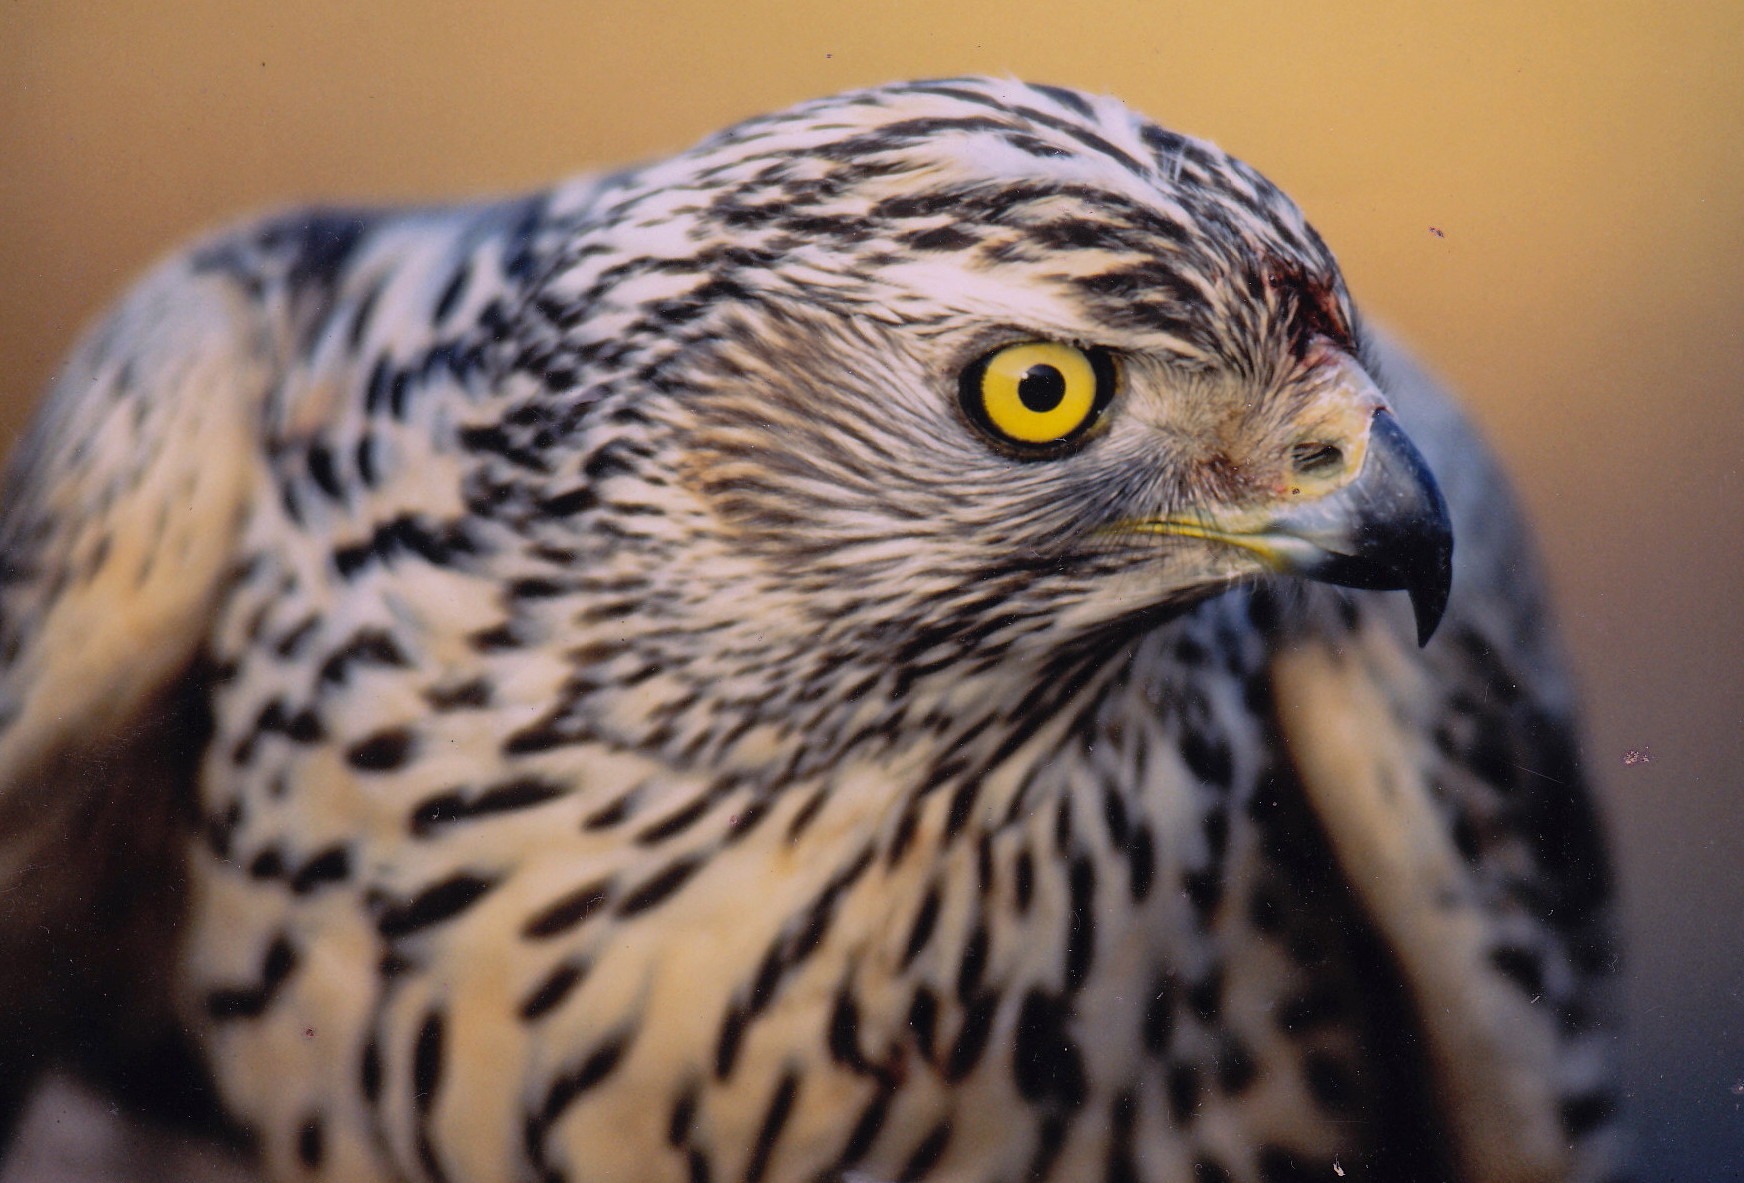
pixel 1447 783
pixel 122 512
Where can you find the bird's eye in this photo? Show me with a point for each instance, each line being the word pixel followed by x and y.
pixel 1039 394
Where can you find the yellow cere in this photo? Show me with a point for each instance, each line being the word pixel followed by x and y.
pixel 1039 392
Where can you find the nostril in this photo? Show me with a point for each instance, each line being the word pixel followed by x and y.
pixel 1316 458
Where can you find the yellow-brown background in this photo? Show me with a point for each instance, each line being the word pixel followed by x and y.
pixel 1585 165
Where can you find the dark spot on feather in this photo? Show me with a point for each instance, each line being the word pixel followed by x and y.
pixel 291 644
pixel 943 238
pixel 1206 996
pixel 973 964
pixel 1121 1167
pixel 589 1074
pixel 268 864
pixel 866 1129
pixel 1235 1066
pixel 567 912
pixel 609 814
pixel 806 814
pixel 1208 758
pixel 451 293
pixel 360 319
pixel 436 904
pixel 367 646
pixel 1141 863
pixel 1051 1134
pixel 732 1034
pixel 471 695
pixel 1023 881
pixel 311 1143
pixel 683 1116
pixel 1114 816
pixel 927 1154
pixel 962 802
pixel 1204 891
pixel 1185 1090
pixel 369 1071
pixel 427 1062
pixel 549 994
pixel 251 1002
pixel 661 887
pixel 921 929
pixel 323 472
pixel 906 825
pixel 305 727
pixel 1081 924
pixel 972 1036
pixel 439 812
pixel 774 1121
pixel 1046 1064
pixel 1069 99
pixel 570 502
pixel 1519 965
pixel 439 544
pixel 844 1035
pixel 1063 826
pixel 1159 1016
pixel 383 751
pixel 332 865
pixel 499 638
pixel 984 863
pixel 923 1019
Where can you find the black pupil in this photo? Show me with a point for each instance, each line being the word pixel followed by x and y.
pixel 1041 388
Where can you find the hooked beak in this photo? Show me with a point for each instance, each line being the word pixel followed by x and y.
pixel 1387 529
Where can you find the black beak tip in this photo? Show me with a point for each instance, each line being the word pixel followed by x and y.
pixel 1428 573
pixel 1429 600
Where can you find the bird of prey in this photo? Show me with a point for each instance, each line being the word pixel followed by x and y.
pixel 869 649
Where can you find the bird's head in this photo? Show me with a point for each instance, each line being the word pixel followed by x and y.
pixel 954 366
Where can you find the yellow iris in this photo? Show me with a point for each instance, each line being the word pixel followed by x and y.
pixel 1036 393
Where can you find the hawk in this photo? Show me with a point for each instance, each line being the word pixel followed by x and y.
pixel 868 649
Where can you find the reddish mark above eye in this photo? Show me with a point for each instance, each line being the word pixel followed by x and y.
pixel 1315 309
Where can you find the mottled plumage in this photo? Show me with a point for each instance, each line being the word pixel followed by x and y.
pixel 580 688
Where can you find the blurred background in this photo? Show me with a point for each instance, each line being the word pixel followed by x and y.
pixel 1547 203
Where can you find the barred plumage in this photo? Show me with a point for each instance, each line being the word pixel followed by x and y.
pixel 617 714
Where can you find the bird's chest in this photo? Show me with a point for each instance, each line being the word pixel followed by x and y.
pixel 1119 948
pixel 1105 938
pixel 1125 949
